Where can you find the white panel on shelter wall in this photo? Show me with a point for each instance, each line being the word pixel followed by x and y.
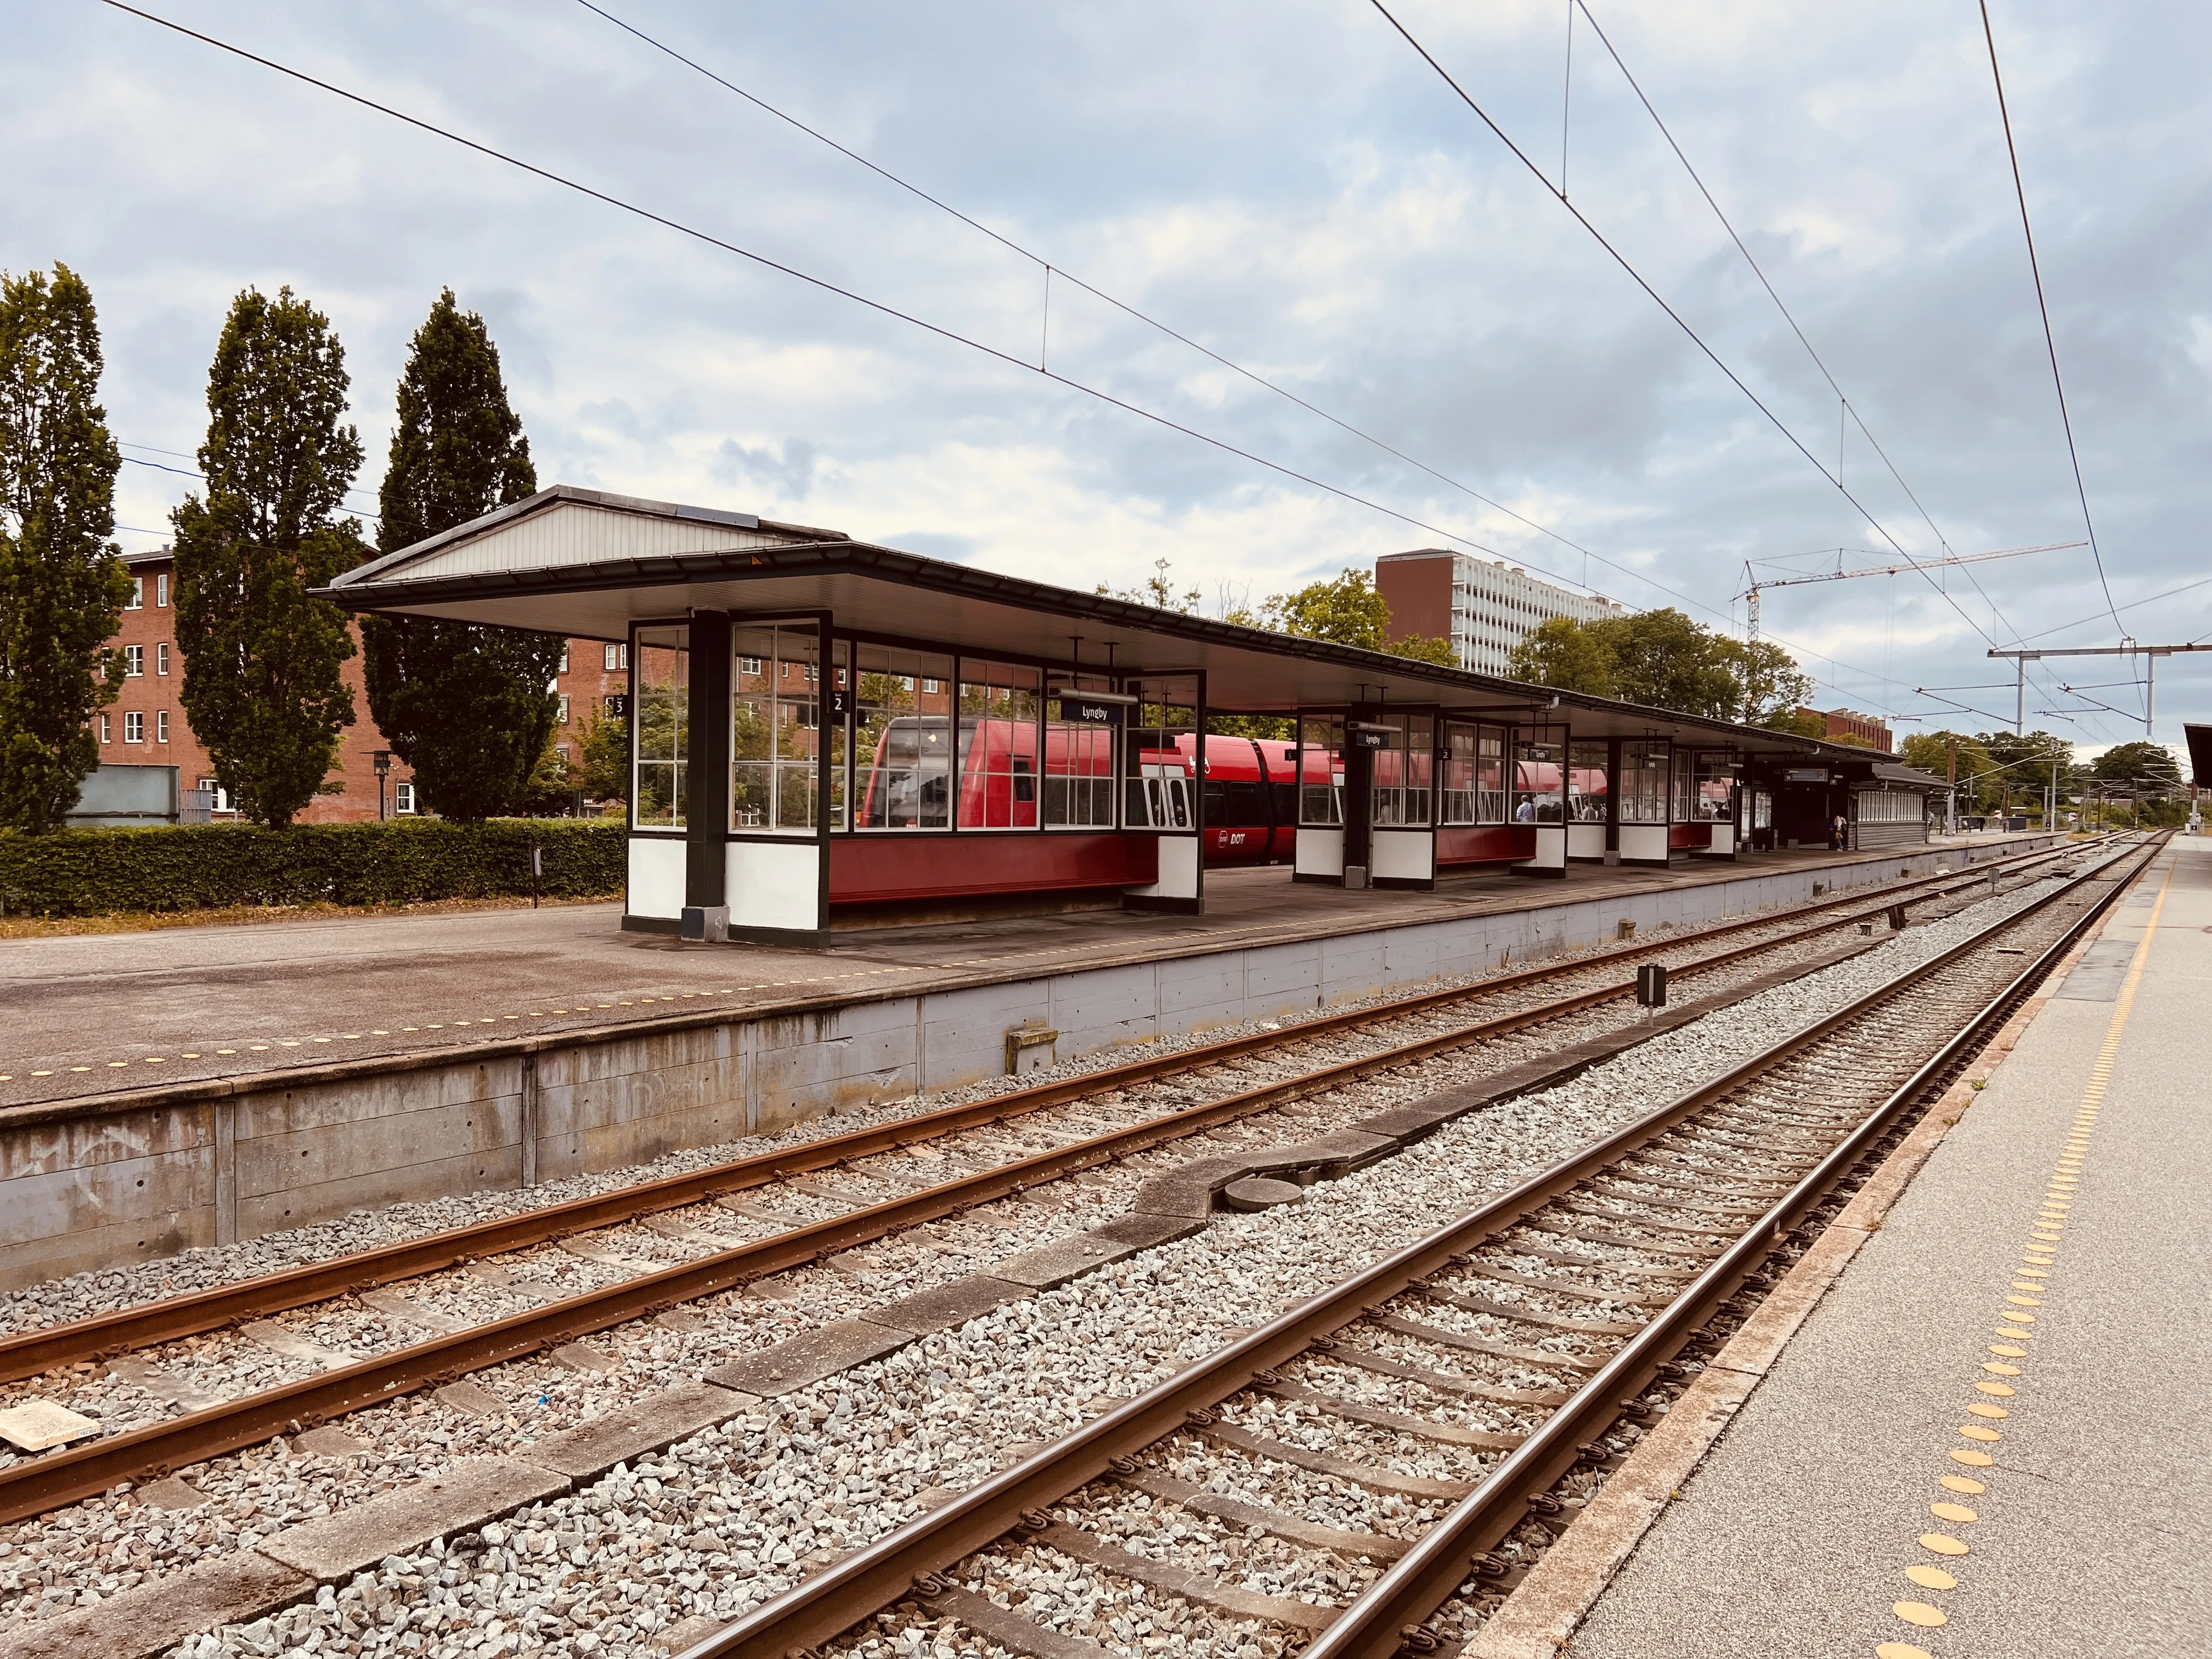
pixel 774 885
pixel 1403 855
pixel 1644 843
pixel 656 878
pixel 572 534
pixel 1320 852
pixel 1551 848
pixel 1178 870
pixel 1585 841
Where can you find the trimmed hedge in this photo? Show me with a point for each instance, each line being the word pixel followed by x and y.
pixel 83 873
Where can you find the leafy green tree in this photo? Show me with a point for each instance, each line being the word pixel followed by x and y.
pixel 1977 768
pixel 1566 655
pixel 262 685
pixel 1798 722
pixel 469 710
pixel 1345 610
pixel 1663 659
pixel 62 585
pixel 1156 590
pixel 553 783
pixel 2147 768
pixel 602 756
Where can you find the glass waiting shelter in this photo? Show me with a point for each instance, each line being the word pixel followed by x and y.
pixel 865 769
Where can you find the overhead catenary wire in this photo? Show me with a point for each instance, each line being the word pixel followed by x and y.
pixel 2043 308
pixel 1051 270
pixel 1635 276
pixel 1846 407
pixel 881 307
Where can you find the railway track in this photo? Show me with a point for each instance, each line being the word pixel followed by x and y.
pixel 1368 1472
pixel 32 1485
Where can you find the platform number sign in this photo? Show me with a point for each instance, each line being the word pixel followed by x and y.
pixel 618 706
pixel 840 702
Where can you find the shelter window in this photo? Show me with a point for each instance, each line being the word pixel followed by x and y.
pixel 1000 704
pixel 1456 803
pixel 1320 771
pixel 1540 759
pixel 1886 806
pixel 1403 792
pixel 903 740
pixel 1160 791
pixel 661 734
pixel 776 731
pixel 1588 781
pixel 1684 788
pixel 1079 769
pixel 1641 784
pixel 1712 798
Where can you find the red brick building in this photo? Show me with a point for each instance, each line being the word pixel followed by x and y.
pixel 1842 724
pixel 146 725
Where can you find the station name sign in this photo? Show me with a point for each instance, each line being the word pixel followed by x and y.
pixel 1087 711
pixel 1805 774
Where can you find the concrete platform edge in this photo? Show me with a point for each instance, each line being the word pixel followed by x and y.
pixel 1539 1618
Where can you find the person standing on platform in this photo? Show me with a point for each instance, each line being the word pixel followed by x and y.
pixel 1839 835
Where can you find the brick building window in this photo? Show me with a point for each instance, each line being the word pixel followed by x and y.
pixel 134 661
pixel 617 658
pixel 161 725
pixel 403 797
pixel 564 657
pixel 107 730
pixel 134 729
pixel 161 589
pixel 138 595
pixel 161 658
pixel 564 710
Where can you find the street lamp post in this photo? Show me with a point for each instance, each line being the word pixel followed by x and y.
pixel 382 759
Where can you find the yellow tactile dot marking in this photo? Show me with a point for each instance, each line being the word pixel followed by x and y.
pixel 2055 1208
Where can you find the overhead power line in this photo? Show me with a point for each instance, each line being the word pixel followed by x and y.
pixel 1636 277
pixel 2043 307
pixel 941 330
pixel 1051 270
pixel 1850 408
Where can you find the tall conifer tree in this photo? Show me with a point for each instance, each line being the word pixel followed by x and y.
pixel 263 686
pixel 62 585
pixel 468 709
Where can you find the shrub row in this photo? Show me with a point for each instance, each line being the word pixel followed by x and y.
pixel 82 872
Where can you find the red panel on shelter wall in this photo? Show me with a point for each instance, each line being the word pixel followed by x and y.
pixel 1485 843
pixel 868 869
pixel 1690 835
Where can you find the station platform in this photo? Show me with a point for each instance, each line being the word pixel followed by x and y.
pixel 1910 1475
pixel 167 1090
pixel 92 1013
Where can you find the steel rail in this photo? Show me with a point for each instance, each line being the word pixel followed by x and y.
pixel 57 1478
pixel 1373 1626
pixel 103 1336
pixel 904 1563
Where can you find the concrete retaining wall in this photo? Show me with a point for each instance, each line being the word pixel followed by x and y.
pixel 87 1184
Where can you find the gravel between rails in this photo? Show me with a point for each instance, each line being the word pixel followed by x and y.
pixel 109 1290
pixel 230 1363
pixel 731 1516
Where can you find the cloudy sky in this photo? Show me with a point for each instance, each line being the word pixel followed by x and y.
pixel 1288 184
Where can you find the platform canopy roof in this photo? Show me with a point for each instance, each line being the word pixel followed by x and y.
pixel 587 563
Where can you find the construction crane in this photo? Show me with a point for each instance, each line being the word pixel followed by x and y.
pixel 1750 595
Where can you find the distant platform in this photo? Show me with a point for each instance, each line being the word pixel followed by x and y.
pixel 164 1089
pixel 95 1013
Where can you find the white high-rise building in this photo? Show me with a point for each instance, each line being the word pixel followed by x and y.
pixel 1485 608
